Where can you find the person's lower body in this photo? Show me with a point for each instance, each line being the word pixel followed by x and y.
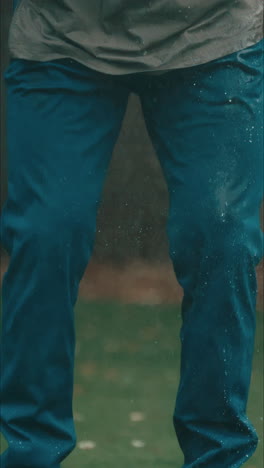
pixel 62 123
pixel 206 125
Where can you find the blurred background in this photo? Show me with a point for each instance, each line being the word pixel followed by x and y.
pixel 128 312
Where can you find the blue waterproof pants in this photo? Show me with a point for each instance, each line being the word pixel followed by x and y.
pixel 206 125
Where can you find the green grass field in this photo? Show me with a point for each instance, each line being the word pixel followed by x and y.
pixel 127 366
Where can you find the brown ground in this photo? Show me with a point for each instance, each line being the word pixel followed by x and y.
pixel 137 282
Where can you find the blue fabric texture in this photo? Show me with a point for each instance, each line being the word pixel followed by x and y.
pixel 206 125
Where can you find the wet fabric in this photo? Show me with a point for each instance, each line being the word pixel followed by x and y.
pixel 206 125
pixel 127 36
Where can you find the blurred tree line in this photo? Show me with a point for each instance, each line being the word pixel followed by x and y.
pixel 133 211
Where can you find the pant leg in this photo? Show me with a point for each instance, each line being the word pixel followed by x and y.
pixel 63 121
pixel 206 124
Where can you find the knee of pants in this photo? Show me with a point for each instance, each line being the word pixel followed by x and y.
pixel 226 238
pixel 47 229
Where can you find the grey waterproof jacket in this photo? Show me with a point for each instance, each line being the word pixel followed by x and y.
pixel 128 36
